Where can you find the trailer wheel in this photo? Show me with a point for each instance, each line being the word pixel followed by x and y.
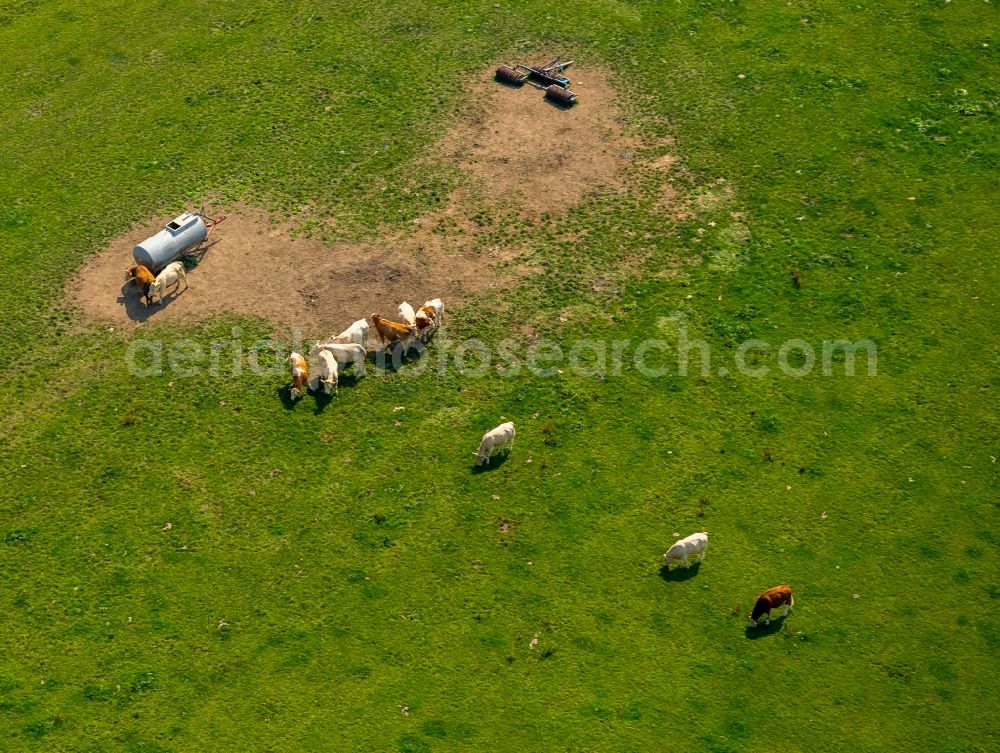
pixel 562 97
pixel 507 75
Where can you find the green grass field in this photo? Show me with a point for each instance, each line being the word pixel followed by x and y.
pixel 326 570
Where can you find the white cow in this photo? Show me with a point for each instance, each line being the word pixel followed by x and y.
pixel 172 274
pixel 498 438
pixel 344 353
pixel 357 333
pixel 406 314
pixel 328 374
pixel 696 543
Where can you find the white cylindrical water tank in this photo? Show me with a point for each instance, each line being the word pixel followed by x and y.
pixel 179 235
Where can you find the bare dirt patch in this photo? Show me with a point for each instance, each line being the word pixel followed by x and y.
pixel 516 149
pixel 257 267
pixel 520 147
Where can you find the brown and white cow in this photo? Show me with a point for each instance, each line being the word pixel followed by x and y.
pixel 772 598
pixel 300 374
pixel 428 319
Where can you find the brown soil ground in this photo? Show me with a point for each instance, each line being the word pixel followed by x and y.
pixel 256 267
pixel 521 147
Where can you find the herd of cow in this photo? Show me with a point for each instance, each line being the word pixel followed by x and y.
pixel 772 598
pixel 350 347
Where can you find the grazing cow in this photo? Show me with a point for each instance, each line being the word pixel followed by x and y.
pixel 356 333
pixel 393 332
pixel 428 319
pixel 406 314
pixel 328 373
pixel 344 353
pixel 498 438
pixel 143 279
pixel 696 543
pixel 172 274
pixel 770 599
pixel 300 374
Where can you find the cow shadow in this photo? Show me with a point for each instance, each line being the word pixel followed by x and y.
pixel 679 574
pixel 321 397
pixel 322 400
pixel 762 630
pixel 392 359
pixel 351 378
pixel 495 462
pixel 284 393
pixel 134 302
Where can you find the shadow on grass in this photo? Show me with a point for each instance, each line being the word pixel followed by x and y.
pixel 285 393
pixel 322 400
pixel 495 462
pixel 345 381
pixel 395 358
pixel 318 394
pixel 762 630
pixel 679 574
pixel 349 380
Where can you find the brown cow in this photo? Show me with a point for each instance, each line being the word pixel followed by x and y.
pixel 392 332
pixel 143 279
pixel 770 599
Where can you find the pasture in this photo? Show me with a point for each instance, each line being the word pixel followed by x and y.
pixel 195 563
